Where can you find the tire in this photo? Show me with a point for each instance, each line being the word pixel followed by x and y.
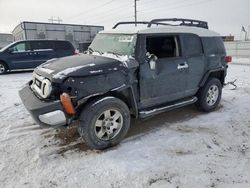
pixel 3 68
pixel 209 95
pixel 104 122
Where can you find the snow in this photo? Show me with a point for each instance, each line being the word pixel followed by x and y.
pixel 241 61
pixel 122 58
pixel 182 148
pixel 64 73
pixel 46 70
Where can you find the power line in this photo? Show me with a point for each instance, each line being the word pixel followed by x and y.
pixel 177 7
pixel 93 8
pixel 110 12
pixel 108 18
pixel 169 4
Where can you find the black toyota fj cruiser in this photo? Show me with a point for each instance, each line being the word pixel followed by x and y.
pixel 137 72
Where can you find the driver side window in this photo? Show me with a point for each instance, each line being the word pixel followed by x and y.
pixel 20 47
pixel 163 46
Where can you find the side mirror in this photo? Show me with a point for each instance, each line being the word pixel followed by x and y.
pixel 10 50
pixel 151 59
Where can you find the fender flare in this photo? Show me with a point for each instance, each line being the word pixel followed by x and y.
pixel 114 92
pixel 206 76
pixel 132 99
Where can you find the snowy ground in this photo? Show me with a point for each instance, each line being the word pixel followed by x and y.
pixel 182 148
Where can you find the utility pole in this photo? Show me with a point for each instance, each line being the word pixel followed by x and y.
pixel 55 20
pixel 248 34
pixel 135 12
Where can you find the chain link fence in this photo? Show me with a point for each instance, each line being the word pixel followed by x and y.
pixel 238 49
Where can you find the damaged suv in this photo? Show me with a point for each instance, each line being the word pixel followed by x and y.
pixel 129 73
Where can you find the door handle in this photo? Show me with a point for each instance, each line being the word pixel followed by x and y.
pixel 31 53
pixel 182 66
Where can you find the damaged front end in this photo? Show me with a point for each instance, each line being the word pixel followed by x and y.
pixel 58 89
pixel 45 113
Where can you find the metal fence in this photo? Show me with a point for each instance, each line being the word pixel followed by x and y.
pixel 240 49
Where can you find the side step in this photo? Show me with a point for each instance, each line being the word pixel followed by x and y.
pixel 154 111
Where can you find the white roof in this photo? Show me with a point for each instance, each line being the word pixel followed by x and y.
pixel 165 29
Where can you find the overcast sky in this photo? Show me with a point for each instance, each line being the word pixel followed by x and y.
pixel 223 16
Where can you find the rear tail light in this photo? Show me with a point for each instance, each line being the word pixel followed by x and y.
pixel 67 104
pixel 228 59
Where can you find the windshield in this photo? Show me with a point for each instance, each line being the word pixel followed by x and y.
pixel 120 44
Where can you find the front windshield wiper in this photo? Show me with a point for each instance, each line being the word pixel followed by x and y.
pixel 91 51
pixel 115 53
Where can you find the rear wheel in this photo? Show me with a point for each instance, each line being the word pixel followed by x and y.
pixel 3 68
pixel 104 122
pixel 209 96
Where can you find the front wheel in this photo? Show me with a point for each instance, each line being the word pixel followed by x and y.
pixel 104 122
pixel 209 96
pixel 3 68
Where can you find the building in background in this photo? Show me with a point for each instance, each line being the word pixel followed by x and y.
pixel 5 39
pixel 228 38
pixel 74 33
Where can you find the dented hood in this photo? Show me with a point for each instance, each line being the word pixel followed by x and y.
pixel 80 65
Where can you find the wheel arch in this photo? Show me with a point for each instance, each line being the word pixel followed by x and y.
pixel 6 64
pixel 216 73
pixel 125 94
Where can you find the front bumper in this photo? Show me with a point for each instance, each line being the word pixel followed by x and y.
pixel 44 113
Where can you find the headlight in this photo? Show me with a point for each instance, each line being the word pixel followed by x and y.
pixel 46 88
pixel 42 86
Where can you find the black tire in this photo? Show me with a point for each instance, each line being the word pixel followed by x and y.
pixel 205 102
pixel 3 68
pixel 94 112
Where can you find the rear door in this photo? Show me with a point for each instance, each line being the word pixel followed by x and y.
pixel 168 81
pixel 195 58
pixel 64 48
pixel 42 51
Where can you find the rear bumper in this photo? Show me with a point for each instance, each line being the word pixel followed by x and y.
pixel 44 113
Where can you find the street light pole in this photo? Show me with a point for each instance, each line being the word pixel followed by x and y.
pixel 248 32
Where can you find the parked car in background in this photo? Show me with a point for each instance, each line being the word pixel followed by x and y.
pixel 29 54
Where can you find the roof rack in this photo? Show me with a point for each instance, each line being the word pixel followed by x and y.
pixel 139 22
pixel 185 22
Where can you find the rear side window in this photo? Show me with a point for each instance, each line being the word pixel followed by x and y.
pixel 61 45
pixel 41 45
pixel 163 46
pixel 192 45
pixel 213 45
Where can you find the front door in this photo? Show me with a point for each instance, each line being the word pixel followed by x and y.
pixel 166 81
pixel 20 56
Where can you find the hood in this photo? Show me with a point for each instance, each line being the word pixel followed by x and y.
pixel 80 65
